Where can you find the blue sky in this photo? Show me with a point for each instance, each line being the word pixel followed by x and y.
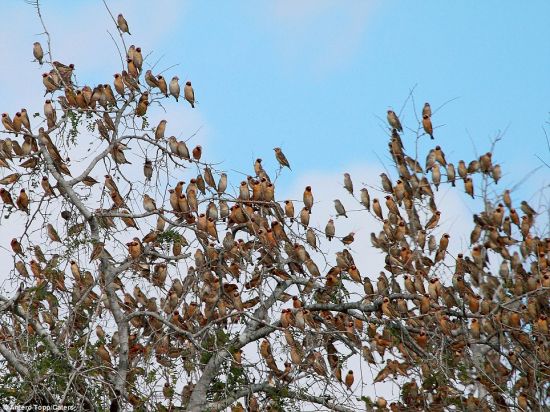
pixel 316 77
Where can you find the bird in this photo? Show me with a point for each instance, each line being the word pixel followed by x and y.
pixel 122 24
pixel 9 179
pixel 348 184
pixel 52 233
pixel 349 379
pixel 132 68
pixel 174 87
pixel 137 57
pixel 97 251
pixel 434 220
pixel 16 247
pixel 148 169
pixel 304 216
pixel 25 119
pixel 469 186
pixel 163 87
pixel 365 198
pixel 103 354
pixel 37 52
pixel 149 203
pixel 150 79
pixel 6 197
pixel 348 239
pixel 118 84
pixel 189 93
pixel 308 197
pixel 427 110
pixel 22 201
pixel 289 209
pixel 197 152
pixel 427 124
pixel 387 309
pixel 7 122
pixel 330 229
pixel 281 158
pixel 340 210
pixel 393 120
pixel 377 209
pixel 159 131
pixel 528 210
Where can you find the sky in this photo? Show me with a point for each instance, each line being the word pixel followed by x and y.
pixel 316 78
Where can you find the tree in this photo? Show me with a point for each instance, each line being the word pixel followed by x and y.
pixel 165 295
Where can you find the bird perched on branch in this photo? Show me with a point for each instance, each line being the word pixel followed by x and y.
pixel 281 158
pixel 189 93
pixel 122 24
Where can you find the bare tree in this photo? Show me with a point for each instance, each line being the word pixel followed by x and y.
pixel 163 287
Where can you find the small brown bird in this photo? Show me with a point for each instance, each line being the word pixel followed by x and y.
pixel 189 93
pixel 25 119
pixel 393 120
pixel 16 247
pixel 349 379
pixel 365 198
pixel 9 179
pixel 427 124
pixel 159 131
pixel 148 169
pixel 52 233
pixel 149 203
pixel 97 251
pixel 308 197
pixel 150 79
pixel 49 83
pixel 22 201
pixel 134 249
pixel 377 209
pixel 132 69
pixel 434 220
pixel 451 174
pixel 110 184
pixel 289 209
pixel 118 83
pixel 348 184
pixel 137 57
pixel 222 183
pixel 122 24
pixel 304 216
pixel 37 52
pixel 281 158
pixel 340 210
pixel 528 210
pixel 197 152
pixel 7 122
pixel 163 87
pixel 6 197
pixel 104 354
pixel 469 186
pixel 330 230
pixel 174 88
pixel 182 150
pixel 48 189
pixel 427 110
pixel 348 239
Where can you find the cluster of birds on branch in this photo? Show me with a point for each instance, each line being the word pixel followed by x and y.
pixel 409 323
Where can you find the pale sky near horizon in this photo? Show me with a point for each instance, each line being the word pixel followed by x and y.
pixel 316 79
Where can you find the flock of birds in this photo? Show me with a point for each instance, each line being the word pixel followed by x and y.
pixel 406 316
